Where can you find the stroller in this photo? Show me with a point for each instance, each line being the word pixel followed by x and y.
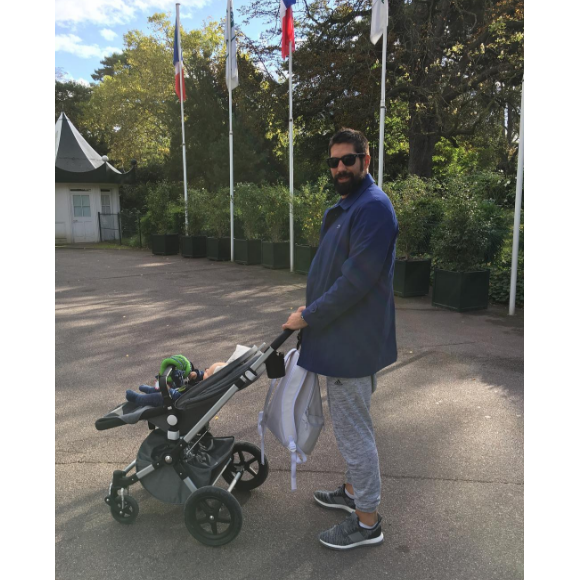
pixel 180 461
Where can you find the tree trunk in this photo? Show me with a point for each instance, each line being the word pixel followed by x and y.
pixel 423 136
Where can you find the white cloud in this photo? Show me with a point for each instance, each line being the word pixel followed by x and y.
pixel 64 76
pixel 111 12
pixel 73 44
pixel 108 34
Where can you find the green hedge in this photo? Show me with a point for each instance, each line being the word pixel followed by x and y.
pixel 462 222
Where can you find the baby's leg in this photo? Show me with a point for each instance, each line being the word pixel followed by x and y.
pixel 153 399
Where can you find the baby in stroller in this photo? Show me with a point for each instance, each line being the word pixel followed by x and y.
pixel 183 376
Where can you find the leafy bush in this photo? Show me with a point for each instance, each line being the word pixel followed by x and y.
pixel 195 216
pixel 159 197
pixel 499 286
pixel 496 219
pixel 500 277
pixel 460 241
pixel 215 211
pixel 310 203
pixel 492 185
pixel 248 207
pixel 472 230
pixel 275 207
pixel 415 207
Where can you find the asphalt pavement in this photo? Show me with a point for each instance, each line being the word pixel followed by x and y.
pixel 448 418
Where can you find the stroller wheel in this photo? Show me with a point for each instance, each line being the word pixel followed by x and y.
pixel 125 509
pixel 213 516
pixel 247 457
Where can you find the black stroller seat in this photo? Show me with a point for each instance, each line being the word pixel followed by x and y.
pixel 189 403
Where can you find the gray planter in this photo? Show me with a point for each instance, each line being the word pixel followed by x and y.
pixel 193 246
pixel 411 277
pixel 248 252
pixel 461 291
pixel 303 256
pixel 165 244
pixel 218 249
pixel 276 255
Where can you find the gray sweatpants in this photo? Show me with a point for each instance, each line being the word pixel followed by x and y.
pixel 349 401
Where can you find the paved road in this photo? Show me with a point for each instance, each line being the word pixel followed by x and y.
pixel 448 417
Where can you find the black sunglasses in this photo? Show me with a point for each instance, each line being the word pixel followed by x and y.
pixel 347 160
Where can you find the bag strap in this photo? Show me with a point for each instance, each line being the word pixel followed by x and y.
pixel 297 456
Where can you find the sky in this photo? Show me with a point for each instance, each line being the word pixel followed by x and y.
pixel 88 30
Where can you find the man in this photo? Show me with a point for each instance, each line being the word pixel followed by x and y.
pixel 349 330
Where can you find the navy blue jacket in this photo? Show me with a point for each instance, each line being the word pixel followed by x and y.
pixel 350 308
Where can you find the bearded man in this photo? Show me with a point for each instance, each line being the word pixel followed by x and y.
pixel 349 330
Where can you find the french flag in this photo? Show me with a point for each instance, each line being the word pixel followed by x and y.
pixel 287 26
pixel 178 62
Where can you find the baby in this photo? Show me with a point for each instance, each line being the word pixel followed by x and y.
pixel 182 376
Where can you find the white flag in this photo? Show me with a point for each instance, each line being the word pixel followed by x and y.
pixel 379 20
pixel 231 49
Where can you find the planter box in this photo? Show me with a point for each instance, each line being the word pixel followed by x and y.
pixel 248 252
pixel 218 249
pixel 276 255
pixel 411 277
pixel 165 244
pixel 303 256
pixel 461 291
pixel 193 246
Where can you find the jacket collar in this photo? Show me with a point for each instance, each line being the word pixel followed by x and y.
pixel 347 202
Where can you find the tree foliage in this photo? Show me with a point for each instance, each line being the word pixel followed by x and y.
pixel 454 70
pixel 456 66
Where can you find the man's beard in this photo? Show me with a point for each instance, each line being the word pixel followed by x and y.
pixel 347 187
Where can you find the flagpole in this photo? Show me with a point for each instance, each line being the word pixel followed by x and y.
pixel 231 181
pixel 517 212
pixel 291 138
pixel 182 121
pixel 382 116
pixel 230 67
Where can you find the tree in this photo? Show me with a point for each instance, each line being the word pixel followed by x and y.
pixel 70 96
pixel 128 108
pixel 112 63
pixel 136 110
pixel 454 63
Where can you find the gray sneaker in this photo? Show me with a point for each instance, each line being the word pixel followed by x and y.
pixel 335 499
pixel 349 534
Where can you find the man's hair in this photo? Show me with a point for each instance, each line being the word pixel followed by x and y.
pixel 345 135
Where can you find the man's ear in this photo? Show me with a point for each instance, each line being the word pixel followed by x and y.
pixel 367 161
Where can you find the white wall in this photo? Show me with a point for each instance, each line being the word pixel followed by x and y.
pixel 62 214
pixel 64 220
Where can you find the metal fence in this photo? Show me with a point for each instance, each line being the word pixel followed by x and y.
pixel 123 228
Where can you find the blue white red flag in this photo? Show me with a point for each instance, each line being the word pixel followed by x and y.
pixel 178 62
pixel 287 26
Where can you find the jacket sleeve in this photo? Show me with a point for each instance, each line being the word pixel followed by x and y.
pixel 373 233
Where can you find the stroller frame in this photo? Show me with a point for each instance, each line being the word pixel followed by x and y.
pixel 207 505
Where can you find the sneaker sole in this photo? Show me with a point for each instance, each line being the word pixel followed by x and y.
pixel 334 506
pixel 374 542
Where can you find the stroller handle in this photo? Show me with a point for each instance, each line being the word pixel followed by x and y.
pixel 281 339
pixel 163 382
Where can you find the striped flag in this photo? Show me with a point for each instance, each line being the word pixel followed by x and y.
pixel 287 26
pixel 232 80
pixel 178 62
pixel 379 19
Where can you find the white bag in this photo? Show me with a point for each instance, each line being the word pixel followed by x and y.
pixel 293 412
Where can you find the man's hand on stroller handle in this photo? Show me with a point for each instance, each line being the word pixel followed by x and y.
pixel 295 320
